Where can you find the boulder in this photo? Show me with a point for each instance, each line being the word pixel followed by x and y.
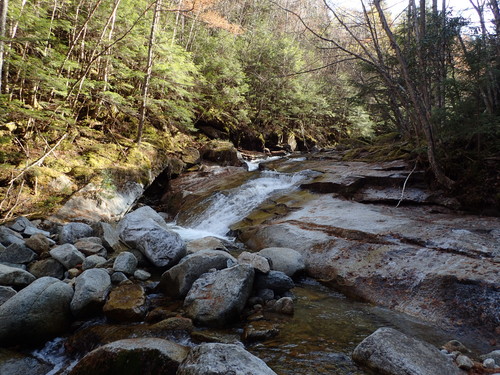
pixel 177 281
pixel 391 352
pixel 221 152
pixel 91 246
pixel 91 290
pixel 13 276
pixel 218 298
pixel 39 243
pixel 17 253
pixel 6 292
pixel 125 262
pixel 222 359
pixel 142 356
pixel 47 267
pixel 258 262
pixel 72 232
pixel 36 313
pixel 274 280
pixel 126 303
pixel 284 259
pixel 145 230
pixel 68 255
pixel 8 237
pixel 93 261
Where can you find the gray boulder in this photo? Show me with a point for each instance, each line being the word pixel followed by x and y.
pixel 274 280
pixel 17 253
pixel 8 237
pixel 391 352
pixel 222 359
pixel 36 313
pixel 6 292
pixel 177 281
pixel 68 255
pixel 93 261
pixel 125 262
pixel 217 298
pixel 91 290
pixel 16 277
pixel 72 232
pixel 143 356
pixel 284 259
pixel 47 267
pixel 145 230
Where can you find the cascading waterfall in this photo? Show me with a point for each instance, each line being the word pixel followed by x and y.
pixel 228 207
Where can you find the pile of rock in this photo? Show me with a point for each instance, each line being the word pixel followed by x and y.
pixel 50 278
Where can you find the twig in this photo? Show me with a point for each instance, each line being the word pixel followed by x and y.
pixel 9 213
pixel 404 185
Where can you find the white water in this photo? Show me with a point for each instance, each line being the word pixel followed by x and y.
pixel 54 354
pixel 228 207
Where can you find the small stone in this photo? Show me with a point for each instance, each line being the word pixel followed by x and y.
pixel 456 346
pixel 73 272
pixel 489 363
pixel 256 261
pixel 118 277
pixel 284 306
pixel 142 275
pixel 464 362
pixel 259 331
pixel 93 261
pixel 125 262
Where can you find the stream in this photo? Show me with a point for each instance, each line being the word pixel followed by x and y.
pixel 326 326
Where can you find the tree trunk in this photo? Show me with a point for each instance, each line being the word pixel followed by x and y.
pixel 149 70
pixel 422 113
pixel 4 5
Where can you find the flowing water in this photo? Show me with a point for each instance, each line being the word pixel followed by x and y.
pixel 230 206
pixel 326 326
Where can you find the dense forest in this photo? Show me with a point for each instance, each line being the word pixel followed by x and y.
pixel 93 76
